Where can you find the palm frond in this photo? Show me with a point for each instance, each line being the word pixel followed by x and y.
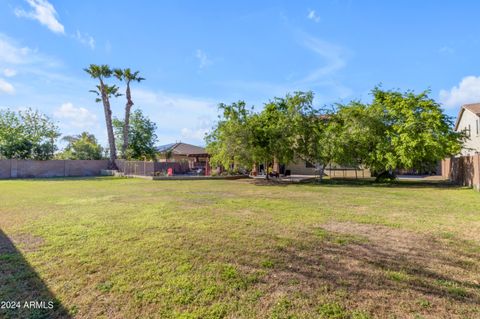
pixel 119 74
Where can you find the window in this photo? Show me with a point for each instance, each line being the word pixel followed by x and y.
pixel 309 165
pixel 476 122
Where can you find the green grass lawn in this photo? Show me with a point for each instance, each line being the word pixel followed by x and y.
pixel 131 248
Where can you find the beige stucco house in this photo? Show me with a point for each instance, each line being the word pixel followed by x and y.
pixel 468 121
pixel 195 156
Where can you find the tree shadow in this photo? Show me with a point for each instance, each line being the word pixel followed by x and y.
pixel 392 265
pixel 23 293
pixel 438 184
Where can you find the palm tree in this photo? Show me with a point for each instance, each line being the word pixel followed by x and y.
pixel 127 76
pixel 104 92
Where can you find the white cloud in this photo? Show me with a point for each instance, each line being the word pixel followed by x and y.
pixel 198 134
pixel 467 91
pixel 177 116
pixel 203 59
pixel 321 79
pixel 78 117
pixel 6 87
pixel 85 39
pixel 446 50
pixel 43 12
pixel 9 72
pixel 15 58
pixel 172 102
pixel 333 55
pixel 312 15
pixel 11 53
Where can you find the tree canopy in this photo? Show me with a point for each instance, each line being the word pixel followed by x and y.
pixel 412 131
pixel 141 136
pixel 396 130
pixel 81 147
pixel 27 134
pixel 229 143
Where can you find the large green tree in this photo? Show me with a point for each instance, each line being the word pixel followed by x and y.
pixel 229 142
pixel 141 137
pixel 275 130
pixel 81 147
pixel 357 131
pixel 411 131
pixel 127 76
pixel 27 134
pixel 316 137
pixel 104 92
pixel 242 137
pixel 396 130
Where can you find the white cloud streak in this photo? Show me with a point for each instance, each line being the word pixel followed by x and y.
pixel 467 91
pixel 446 50
pixel 78 117
pixel 44 12
pixel 197 134
pixel 85 39
pixel 312 15
pixel 9 72
pixel 13 54
pixel 6 87
pixel 333 56
pixel 203 59
pixel 177 116
pixel 15 58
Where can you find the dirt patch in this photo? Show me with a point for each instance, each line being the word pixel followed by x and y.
pixel 389 240
pixel 27 242
pixel 393 272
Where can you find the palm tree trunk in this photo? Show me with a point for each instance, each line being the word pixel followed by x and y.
pixel 126 124
pixel 108 122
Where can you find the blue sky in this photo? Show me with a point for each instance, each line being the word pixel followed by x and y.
pixel 196 54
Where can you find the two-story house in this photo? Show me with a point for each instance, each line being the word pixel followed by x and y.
pixel 468 120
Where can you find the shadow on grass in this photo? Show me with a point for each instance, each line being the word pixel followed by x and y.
pixel 64 179
pixel 23 293
pixel 392 266
pixel 348 182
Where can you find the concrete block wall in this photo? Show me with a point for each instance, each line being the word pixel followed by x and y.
pixel 53 168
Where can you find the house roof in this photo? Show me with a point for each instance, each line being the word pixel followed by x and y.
pixel 474 108
pixel 181 149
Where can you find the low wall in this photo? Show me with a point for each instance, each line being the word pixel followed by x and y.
pixel 462 170
pixel 150 168
pixel 54 168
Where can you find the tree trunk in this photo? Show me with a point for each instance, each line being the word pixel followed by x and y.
pixel 321 171
pixel 126 124
pixel 108 122
pixel 266 170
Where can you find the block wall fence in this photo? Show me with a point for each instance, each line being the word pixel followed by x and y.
pixel 463 170
pixel 53 168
